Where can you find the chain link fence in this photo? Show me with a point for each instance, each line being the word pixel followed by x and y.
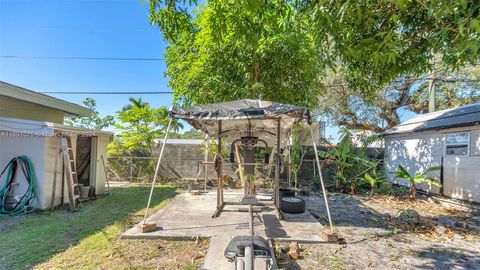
pixel 142 169
pixel 131 169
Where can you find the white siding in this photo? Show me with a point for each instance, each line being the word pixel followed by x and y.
pixel 52 152
pixel 42 151
pixel 415 152
pixel 462 177
pixel 418 151
pixel 475 142
pixel 102 143
pixel 13 145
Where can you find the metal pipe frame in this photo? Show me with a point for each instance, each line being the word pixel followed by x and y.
pixel 321 178
pixel 156 170
pixel 220 202
pixel 277 169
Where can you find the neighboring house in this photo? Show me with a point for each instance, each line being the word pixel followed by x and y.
pixel 448 138
pixel 31 124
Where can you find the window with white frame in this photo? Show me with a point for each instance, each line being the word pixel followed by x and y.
pixel 457 144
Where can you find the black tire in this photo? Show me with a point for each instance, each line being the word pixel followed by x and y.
pixel 286 192
pixel 292 205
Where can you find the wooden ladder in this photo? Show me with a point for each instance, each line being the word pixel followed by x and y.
pixel 70 171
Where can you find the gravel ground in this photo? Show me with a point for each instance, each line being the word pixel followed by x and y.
pixel 375 238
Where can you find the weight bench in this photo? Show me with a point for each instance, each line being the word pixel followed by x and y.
pixel 244 249
pixel 236 247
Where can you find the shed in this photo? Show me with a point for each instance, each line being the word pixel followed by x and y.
pixel 448 138
pixel 31 124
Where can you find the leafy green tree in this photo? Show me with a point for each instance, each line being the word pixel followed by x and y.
pixel 191 134
pixel 452 89
pixel 94 120
pixel 382 109
pixel 378 41
pixel 370 43
pixel 139 125
pixel 417 178
pixel 297 150
pixel 348 161
pixel 259 54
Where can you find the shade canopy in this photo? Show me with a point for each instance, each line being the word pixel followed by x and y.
pixel 241 117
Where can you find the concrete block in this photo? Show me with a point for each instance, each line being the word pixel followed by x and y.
pixel 328 236
pixel 147 227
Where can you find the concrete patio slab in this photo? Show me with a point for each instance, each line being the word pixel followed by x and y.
pixel 188 217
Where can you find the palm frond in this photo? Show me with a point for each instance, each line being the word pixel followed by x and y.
pixel 431 169
pixel 401 172
pixel 429 180
pixel 369 180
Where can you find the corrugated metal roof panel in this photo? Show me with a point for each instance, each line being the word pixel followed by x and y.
pixel 467 115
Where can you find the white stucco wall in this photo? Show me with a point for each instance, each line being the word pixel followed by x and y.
pixel 42 149
pixel 419 151
pixel 52 152
pixel 51 146
pixel 102 143
pixel 416 152
pixel 462 177
pixel 13 145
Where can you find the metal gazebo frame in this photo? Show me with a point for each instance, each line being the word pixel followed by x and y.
pixel 230 119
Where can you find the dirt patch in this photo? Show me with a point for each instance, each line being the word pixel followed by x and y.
pixel 139 254
pixel 376 238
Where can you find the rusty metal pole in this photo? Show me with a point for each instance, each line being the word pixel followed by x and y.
pixel 205 158
pixel 219 168
pixel 277 169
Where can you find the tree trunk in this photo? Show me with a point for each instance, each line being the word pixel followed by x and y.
pixel 337 180
pixel 372 191
pixel 414 192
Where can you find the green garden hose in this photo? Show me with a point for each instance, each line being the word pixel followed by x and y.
pixel 24 204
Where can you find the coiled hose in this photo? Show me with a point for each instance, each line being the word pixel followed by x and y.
pixel 23 205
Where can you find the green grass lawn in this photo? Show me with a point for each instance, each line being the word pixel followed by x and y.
pixel 89 237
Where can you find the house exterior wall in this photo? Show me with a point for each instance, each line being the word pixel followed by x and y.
pixel 51 153
pixel 415 152
pixel 23 110
pixel 419 151
pixel 13 145
pixel 39 142
pixel 102 142
pixel 462 178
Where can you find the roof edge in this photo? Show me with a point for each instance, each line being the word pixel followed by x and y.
pixel 26 95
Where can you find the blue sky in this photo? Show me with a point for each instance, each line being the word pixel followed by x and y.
pixel 84 28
